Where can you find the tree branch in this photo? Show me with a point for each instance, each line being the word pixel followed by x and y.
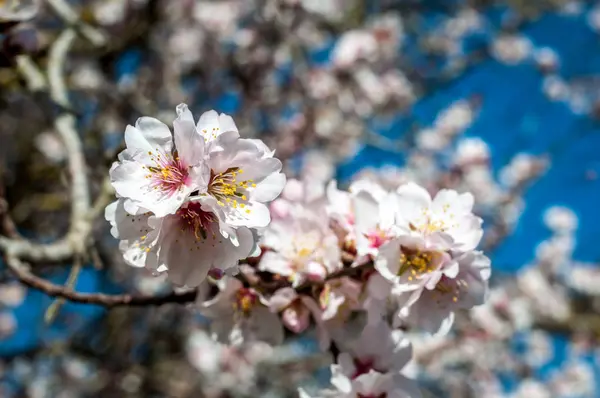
pixel 20 270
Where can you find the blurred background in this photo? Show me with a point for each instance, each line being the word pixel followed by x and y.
pixel 500 98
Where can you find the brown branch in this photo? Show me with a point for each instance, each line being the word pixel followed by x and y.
pixel 20 270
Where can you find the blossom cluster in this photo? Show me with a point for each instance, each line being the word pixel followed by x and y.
pixel 195 202
pixel 190 201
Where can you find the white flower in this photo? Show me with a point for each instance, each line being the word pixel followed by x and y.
pixel 378 347
pixel 301 247
pixel 432 308
pixel 186 245
pixel 158 170
pixel 193 241
pixel 295 309
pixel 204 353
pixel 511 49
pixel 560 219
pixel 238 316
pixel 338 298
pixel 365 214
pixel 446 220
pixel 353 46
pixel 471 150
pixel 410 264
pixel 372 365
pixel 241 174
pixel 455 118
pixel 373 384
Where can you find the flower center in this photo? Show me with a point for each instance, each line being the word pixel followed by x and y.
pixel 450 286
pixel 362 366
pixel 245 300
pixel 430 224
pixel 377 238
pixel 196 220
pixel 168 174
pixel 416 263
pixel 227 189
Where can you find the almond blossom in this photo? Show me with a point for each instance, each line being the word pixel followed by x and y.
pixel 238 315
pixel 158 170
pixel 468 288
pixel 300 247
pixel 365 214
pixel 372 365
pixel 186 245
pixel 446 218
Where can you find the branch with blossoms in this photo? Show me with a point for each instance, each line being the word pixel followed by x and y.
pixel 194 202
pixel 258 254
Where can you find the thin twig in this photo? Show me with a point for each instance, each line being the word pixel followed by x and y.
pixel 35 79
pixel 54 308
pixel 63 10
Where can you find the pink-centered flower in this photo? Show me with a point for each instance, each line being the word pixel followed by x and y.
pixel 365 213
pixel 186 245
pixel 238 315
pixel 464 290
pixel 158 170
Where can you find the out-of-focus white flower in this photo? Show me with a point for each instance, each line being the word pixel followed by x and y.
pixel 575 379
pixel 388 30
pixel 219 16
pixel 431 140
pixel 593 18
pixel 560 219
pixel 455 118
pixel 432 309
pixel 184 43
pixel 549 300
pixel 338 298
pixel 8 324
pixel 520 168
pixel 87 76
pixel 322 83
pixel 372 365
pixel 354 46
pixel 238 316
pixel 300 247
pixel 556 88
pixel 296 310
pixel 318 167
pixel 530 388
pixel 511 49
pixel 540 348
pixel 204 353
pixel 109 12
pixel 584 278
pixel 51 146
pixel 333 10
pixel 12 294
pixel 471 151
pixel 546 58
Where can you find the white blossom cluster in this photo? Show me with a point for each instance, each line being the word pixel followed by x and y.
pixel 193 203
